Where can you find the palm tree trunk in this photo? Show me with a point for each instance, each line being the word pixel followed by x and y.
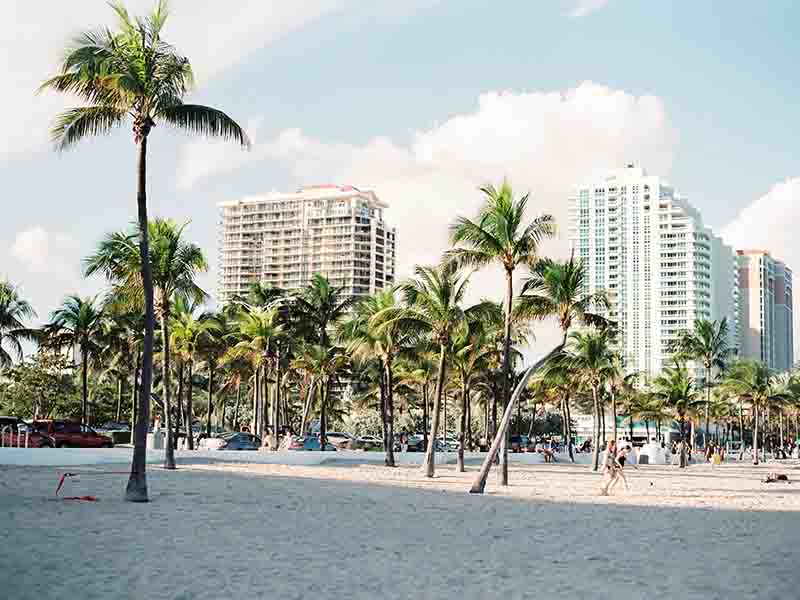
pixel 437 407
pixel 755 434
pixel 307 405
pixel 134 393
pixel 506 372
pixel 602 422
pixel 120 383
pixel 469 420
pixel 323 426
pixel 389 414
pixel 277 402
pixel 255 390
pixel 682 457
pixel 741 429
pixel 614 416
pixel 188 412
pixel 84 387
pixel 136 490
pixel 210 399
pixel 708 406
pixel 179 408
pixel 169 452
pixel 462 437
pixel 569 427
pixel 425 414
pixel 265 403
pixel 596 446
pixel 235 424
pixel 479 485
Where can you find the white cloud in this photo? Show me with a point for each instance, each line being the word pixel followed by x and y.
pixel 214 36
pixel 42 252
pixel 770 223
pixel 542 141
pixel 582 8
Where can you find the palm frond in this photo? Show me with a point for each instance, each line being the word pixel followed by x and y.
pixel 205 121
pixel 75 124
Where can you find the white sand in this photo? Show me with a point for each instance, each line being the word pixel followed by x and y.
pixel 349 531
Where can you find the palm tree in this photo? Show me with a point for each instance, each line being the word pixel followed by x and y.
pixel 709 344
pixel 318 308
pixel 258 332
pixel 555 289
pixel 366 340
pixel 133 72
pixel 212 348
pixel 500 236
pixel 592 360
pixel 78 324
pixel 433 308
pixel 470 351
pixel 675 388
pixel 753 381
pixel 323 364
pixel 14 309
pixel 187 334
pixel 175 266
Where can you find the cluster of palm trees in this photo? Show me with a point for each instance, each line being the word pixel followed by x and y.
pixel 420 344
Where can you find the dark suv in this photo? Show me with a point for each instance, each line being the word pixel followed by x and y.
pixel 67 434
pixel 13 431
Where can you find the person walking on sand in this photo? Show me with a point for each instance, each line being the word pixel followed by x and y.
pixel 611 468
pixel 622 458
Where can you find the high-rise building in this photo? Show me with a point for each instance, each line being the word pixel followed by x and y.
pixel 662 269
pixel 766 309
pixel 285 238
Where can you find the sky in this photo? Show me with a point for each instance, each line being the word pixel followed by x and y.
pixel 422 100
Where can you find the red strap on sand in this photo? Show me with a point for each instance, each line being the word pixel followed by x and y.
pixel 87 498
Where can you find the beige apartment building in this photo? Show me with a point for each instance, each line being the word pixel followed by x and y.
pixel 285 238
pixel 766 309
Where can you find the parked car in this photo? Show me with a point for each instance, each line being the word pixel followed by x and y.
pixel 520 443
pixel 13 434
pixel 72 435
pixel 115 426
pixel 310 442
pixel 238 440
pixel 370 441
pixel 340 439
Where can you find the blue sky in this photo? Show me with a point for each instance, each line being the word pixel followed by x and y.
pixel 422 99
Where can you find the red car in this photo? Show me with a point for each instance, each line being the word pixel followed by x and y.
pixel 67 434
pixel 13 430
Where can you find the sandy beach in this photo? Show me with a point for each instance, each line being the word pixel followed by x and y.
pixel 216 530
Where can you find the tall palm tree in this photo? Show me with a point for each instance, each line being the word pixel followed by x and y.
pixel 433 308
pixel 318 308
pixel 753 381
pixel 675 388
pixel 186 336
pixel 365 340
pixel 14 309
pixel 78 324
pixel 132 72
pixel 212 348
pixel 470 352
pixel 175 265
pixel 592 360
pixel 323 364
pixel 258 331
pixel 500 236
pixel 709 344
pixel 555 289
